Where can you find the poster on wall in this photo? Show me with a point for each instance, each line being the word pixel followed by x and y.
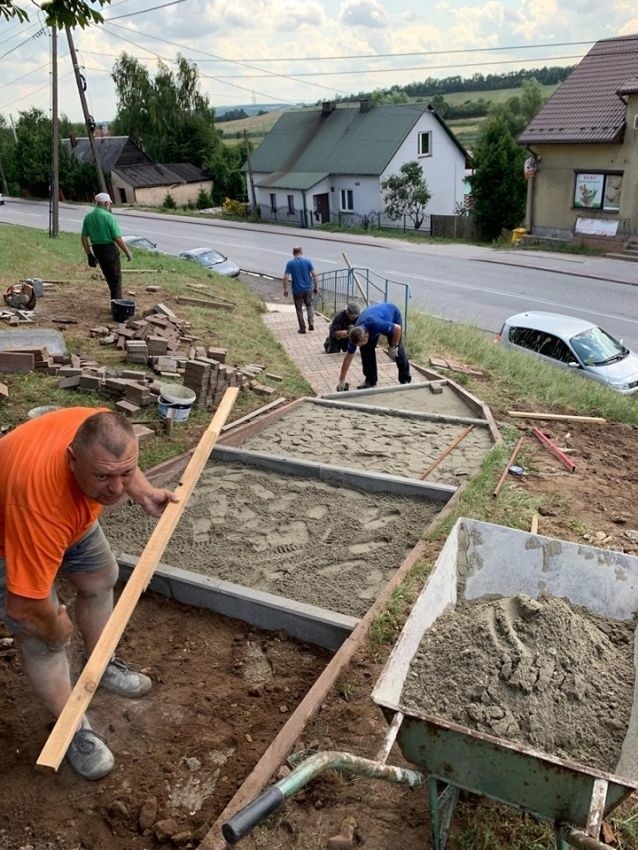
pixel 613 190
pixel 588 192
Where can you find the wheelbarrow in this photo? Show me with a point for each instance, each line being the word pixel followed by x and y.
pixel 478 560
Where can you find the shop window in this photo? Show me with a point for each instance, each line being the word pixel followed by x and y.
pixel 598 190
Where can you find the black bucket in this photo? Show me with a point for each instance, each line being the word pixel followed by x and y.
pixel 122 309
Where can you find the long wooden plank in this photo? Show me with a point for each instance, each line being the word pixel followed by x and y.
pixel 558 417
pixel 58 741
pixel 567 462
pixel 446 451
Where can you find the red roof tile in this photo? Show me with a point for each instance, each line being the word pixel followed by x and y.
pixel 587 108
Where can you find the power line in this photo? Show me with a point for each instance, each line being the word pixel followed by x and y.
pixel 22 43
pixel 212 55
pixel 18 79
pixel 35 91
pixel 357 72
pixel 144 11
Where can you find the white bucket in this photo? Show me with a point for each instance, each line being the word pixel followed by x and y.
pixel 177 399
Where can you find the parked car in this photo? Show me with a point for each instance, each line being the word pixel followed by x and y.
pixel 211 259
pixel 140 242
pixel 573 344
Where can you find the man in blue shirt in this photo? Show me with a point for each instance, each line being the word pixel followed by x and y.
pixel 375 321
pixel 305 283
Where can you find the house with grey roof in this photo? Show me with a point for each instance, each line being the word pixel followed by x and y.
pixel 133 177
pixel 583 143
pixel 327 164
pixel 148 183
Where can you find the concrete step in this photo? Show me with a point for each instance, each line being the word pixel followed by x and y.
pixel 631 258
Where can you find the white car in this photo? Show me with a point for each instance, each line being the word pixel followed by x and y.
pixel 140 242
pixel 573 344
pixel 211 259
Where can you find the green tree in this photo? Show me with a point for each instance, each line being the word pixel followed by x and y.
pixel 32 154
pixel 498 186
pixel 406 193
pixel 531 100
pixel 167 116
pixel 58 13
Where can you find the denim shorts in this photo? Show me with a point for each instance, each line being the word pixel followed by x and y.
pixel 90 554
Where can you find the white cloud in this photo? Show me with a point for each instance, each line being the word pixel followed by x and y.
pixel 362 13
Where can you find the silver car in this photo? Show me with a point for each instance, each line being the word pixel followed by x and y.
pixel 211 259
pixel 574 344
pixel 140 242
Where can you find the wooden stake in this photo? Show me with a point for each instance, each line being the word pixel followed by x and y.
pixel 558 417
pixel 447 451
pixel 356 280
pixel 58 741
pixel 534 525
pixel 501 480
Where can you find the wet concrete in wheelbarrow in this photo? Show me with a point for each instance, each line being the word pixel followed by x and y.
pixel 331 546
pixel 544 673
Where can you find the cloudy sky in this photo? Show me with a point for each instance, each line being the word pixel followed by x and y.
pixel 291 51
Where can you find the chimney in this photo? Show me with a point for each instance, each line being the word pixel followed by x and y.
pixel 328 106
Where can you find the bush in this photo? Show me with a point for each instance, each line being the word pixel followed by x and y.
pixel 203 200
pixel 231 207
pixel 169 202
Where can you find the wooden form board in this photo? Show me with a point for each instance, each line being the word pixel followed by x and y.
pixel 58 741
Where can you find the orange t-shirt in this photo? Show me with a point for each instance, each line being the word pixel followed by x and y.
pixel 42 509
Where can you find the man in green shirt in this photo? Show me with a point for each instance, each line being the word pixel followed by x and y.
pixel 101 238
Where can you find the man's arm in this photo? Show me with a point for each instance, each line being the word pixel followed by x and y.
pixel 285 280
pixel 40 618
pixel 345 365
pixel 315 280
pixel 152 499
pixel 86 244
pixel 121 244
pixel 395 339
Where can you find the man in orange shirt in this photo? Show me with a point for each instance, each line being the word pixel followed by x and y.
pixel 57 472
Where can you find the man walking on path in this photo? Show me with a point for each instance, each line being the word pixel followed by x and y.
pixel 378 320
pixel 305 284
pixel 57 472
pixel 101 238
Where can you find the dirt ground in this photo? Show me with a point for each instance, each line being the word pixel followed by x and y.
pixel 222 691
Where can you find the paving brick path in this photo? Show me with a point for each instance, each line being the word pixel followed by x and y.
pixel 321 370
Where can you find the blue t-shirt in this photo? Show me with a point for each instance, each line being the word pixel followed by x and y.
pixel 378 319
pixel 299 269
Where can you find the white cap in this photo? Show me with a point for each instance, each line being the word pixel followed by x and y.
pixel 103 198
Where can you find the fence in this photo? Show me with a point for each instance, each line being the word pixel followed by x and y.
pixel 455 227
pixel 309 219
pixel 363 287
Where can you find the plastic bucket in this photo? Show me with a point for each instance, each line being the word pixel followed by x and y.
pixel 122 309
pixel 176 399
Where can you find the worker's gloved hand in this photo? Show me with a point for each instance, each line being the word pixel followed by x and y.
pixel 128 259
pixel 393 351
pixel 342 387
pixel 90 258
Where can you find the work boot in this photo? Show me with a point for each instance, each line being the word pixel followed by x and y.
pixel 119 678
pixel 301 331
pixel 88 754
pixel 366 386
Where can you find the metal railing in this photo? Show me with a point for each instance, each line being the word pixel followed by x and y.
pixel 363 287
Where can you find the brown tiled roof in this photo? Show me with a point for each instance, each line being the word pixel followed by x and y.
pixel 587 108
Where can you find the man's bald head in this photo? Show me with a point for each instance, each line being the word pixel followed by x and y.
pixel 112 432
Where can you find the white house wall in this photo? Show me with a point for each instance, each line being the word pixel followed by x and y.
pixel 443 170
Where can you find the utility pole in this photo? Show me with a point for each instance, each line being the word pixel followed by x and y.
pixel 250 172
pixel 54 214
pixel 90 124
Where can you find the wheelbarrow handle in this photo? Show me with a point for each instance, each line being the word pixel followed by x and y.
pixel 252 815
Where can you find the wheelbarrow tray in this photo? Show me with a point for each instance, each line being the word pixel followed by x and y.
pixel 481 559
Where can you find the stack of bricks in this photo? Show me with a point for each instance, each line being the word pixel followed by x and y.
pixel 208 379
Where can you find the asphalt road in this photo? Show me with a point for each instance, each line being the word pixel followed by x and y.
pixel 466 283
